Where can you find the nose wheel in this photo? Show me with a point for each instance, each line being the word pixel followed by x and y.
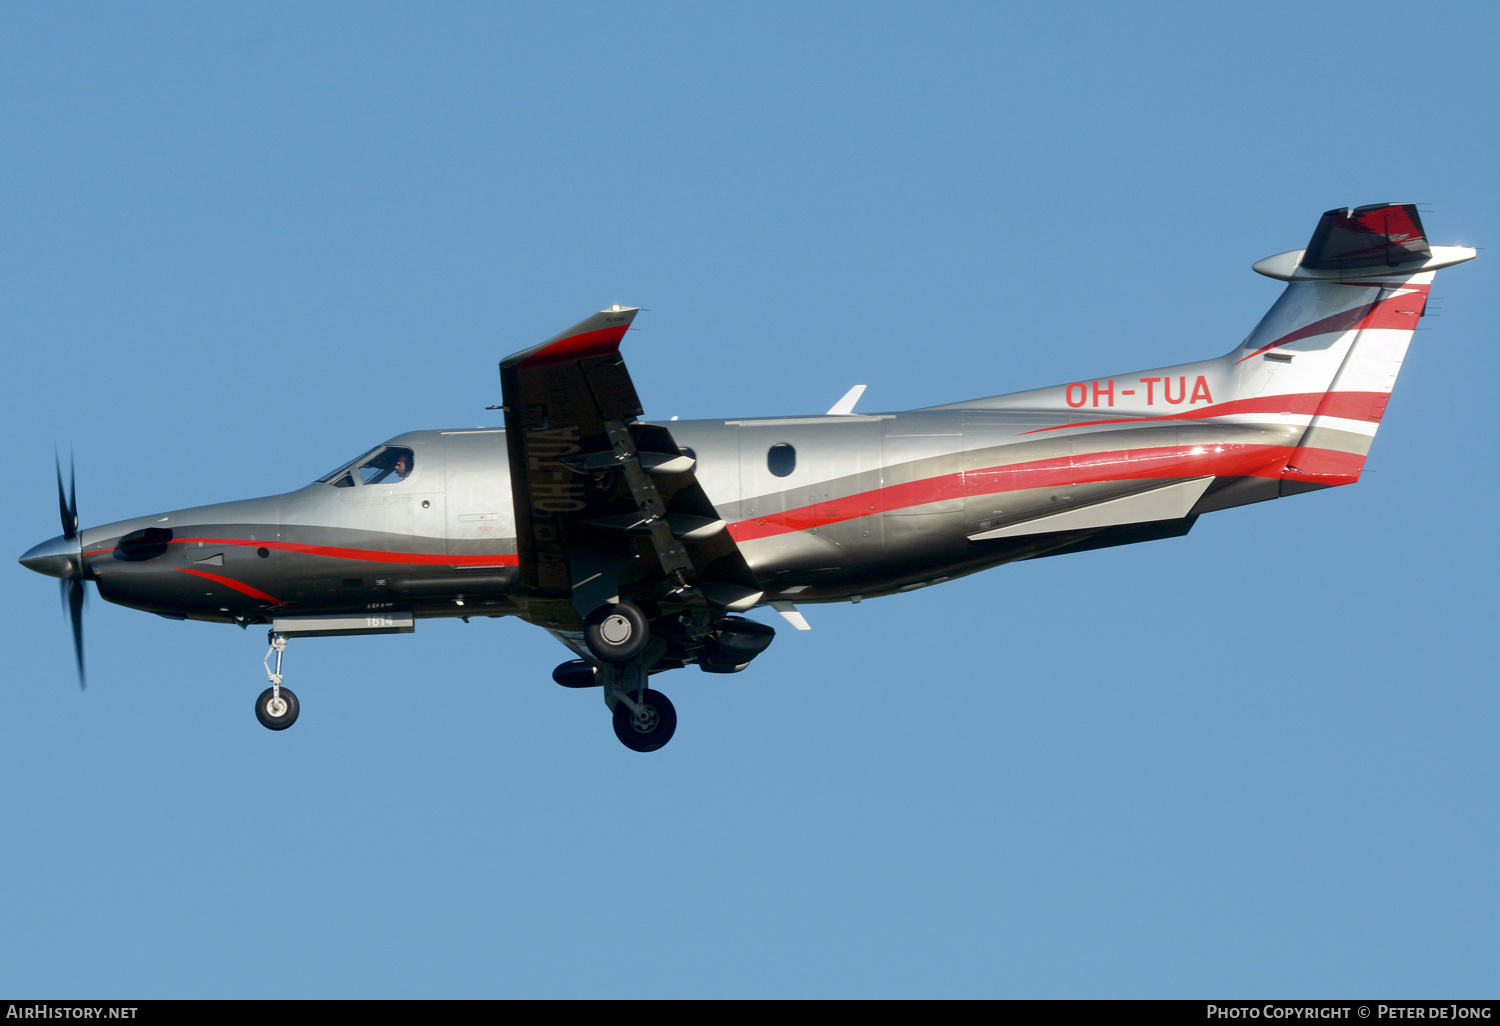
pixel 277 707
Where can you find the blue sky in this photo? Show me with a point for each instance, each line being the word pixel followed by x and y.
pixel 240 245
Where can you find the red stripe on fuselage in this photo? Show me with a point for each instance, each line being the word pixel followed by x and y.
pixel 239 586
pixel 1165 463
pixel 367 555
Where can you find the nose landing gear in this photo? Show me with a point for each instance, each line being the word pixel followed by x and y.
pixel 277 707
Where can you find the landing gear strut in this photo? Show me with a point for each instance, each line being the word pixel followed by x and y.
pixel 621 652
pixel 645 723
pixel 644 720
pixel 277 707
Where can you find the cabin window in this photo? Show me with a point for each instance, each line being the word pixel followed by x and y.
pixel 781 459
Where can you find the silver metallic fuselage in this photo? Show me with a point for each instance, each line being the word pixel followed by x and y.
pixel 874 504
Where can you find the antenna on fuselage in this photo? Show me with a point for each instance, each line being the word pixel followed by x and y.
pixel 845 406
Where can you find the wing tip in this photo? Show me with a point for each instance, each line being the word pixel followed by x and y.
pixel 592 336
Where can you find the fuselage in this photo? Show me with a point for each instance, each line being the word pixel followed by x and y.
pixel 824 508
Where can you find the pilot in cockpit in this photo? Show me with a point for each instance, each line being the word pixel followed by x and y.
pixel 388 465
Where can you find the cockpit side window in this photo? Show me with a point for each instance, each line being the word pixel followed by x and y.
pixel 384 464
pixel 388 466
pixel 342 478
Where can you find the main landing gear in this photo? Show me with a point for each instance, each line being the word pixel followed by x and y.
pixel 277 707
pixel 618 637
pixel 644 719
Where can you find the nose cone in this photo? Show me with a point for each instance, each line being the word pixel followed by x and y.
pixel 58 557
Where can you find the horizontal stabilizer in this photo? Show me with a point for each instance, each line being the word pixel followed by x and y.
pixel 1378 235
pixel 1170 502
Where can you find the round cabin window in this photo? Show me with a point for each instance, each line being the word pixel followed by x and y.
pixel 781 459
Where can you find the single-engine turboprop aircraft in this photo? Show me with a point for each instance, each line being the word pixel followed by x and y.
pixel 637 543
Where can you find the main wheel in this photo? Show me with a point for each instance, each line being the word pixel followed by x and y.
pixel 650 730
pixel 617 633
pixel 276 713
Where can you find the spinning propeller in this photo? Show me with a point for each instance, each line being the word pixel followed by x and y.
pixel 71 586
pixel 62 557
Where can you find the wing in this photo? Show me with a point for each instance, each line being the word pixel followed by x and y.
pixel 607 505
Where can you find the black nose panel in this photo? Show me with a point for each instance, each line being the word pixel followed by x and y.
pixel 138 546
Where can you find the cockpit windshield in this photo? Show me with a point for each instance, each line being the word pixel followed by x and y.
pixel 384 464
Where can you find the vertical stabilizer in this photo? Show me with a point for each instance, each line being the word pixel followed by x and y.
pixel 1340 333
pixel 1304 393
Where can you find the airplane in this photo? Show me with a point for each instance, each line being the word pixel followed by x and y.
pixel 639 544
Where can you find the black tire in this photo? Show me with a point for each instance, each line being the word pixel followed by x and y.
pixel 660 725
pixel 617 633
pixel 263 709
